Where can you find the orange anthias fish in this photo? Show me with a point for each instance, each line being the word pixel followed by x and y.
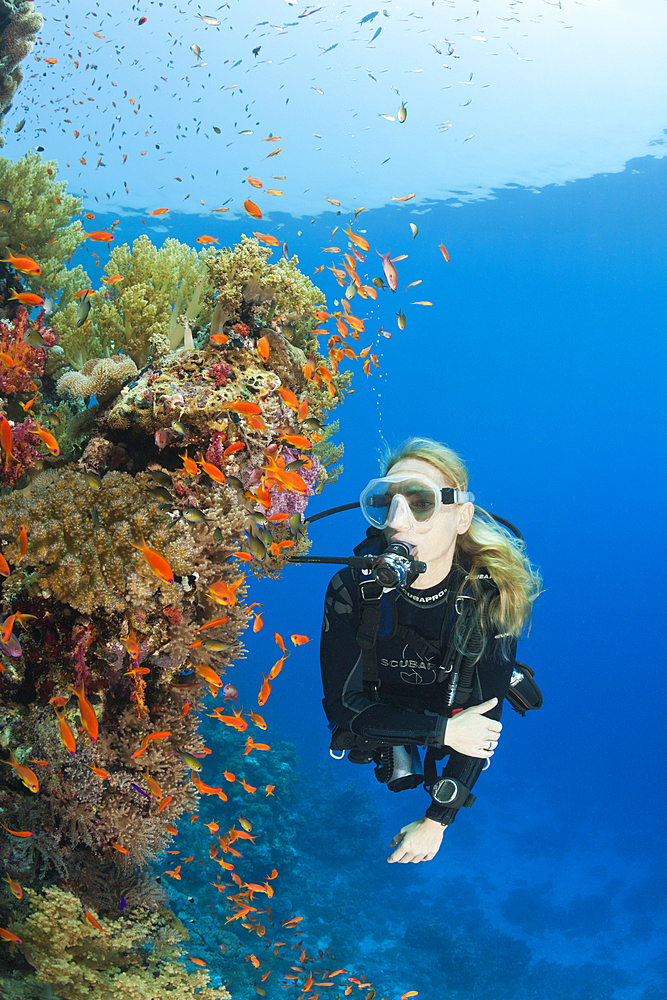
pixel 299 640
pixel 267 238
pixel 443 251
pixel 28 777
pixel 87 711
pixel 189 466
pixel 48 440
pixel 159 211
pixel 6 629
pixel 244 408
pixel 156 791
pixel 17 833
pixel 225 593
pixel 251 745
pixel 100 236
pixel 14 886
pixel 357 240
pixel 157 563
pixel 99 771
pixel 235 720
pixel 66 734
pixel 252 209
pixel 26 298
pixel 264 691
pixel 6 439
pixel 212 470
pixel 26 265
pixel 206 239
pixel 208 674
pixel 257 720
pixel 8 936
pixel 263 348
pixel 23 545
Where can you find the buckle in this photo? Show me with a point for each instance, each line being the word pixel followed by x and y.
pixel 376 589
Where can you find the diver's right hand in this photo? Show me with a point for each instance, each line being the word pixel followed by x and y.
pixel 471 733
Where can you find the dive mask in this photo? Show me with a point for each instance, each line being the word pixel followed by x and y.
pixel 415 498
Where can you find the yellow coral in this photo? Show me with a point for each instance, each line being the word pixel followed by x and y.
pixel 142 314
pixel 81 962
pixel 103 377
pixel 91 567
pixel 41 218
pixel 243 276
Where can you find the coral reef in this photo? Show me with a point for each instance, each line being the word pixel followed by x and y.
pixel 28 361
pixel 127 556
pixel 99 377
pixel 19 23
pixel 246 285
pixel 40 219
pixel 134 957
pixel 144 315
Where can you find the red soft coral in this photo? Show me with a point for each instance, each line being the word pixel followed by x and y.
pixel 28 361
pixel 26 450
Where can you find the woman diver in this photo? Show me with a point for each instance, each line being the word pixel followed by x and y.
pixel 420 650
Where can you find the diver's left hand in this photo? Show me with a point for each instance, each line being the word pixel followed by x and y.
pixel 418 841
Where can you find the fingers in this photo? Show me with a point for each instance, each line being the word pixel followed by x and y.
pixel 486 706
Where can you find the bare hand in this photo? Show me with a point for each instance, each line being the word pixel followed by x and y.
pixel 418 841
pixel 471 733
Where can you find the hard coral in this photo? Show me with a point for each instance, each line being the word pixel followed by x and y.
pixel 28 361
pixel 102 377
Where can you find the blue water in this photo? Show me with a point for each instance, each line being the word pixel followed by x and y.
pixel 542 362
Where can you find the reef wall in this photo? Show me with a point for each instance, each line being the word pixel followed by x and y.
pixel 161 437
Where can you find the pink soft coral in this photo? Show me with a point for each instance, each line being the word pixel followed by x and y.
pixel 28 361
pixel 26 450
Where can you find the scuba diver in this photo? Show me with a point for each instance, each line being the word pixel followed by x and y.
pixel 420 634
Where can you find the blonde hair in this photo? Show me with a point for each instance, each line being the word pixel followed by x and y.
pixel 485 548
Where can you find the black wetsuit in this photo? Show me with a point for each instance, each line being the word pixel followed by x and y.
pixel 411 709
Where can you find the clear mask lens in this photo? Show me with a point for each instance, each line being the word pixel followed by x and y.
pixel 393 500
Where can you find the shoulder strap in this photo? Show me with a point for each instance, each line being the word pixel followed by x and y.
pixel 370 613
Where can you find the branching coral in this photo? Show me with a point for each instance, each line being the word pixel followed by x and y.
pixel 134 957
pixel 18 26
pixel 40 218
pixel 101 377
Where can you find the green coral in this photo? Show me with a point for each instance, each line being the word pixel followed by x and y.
pixel 243 278
pixel 135 957
pixel 145 314
pixel 41 218
pixel 87 566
